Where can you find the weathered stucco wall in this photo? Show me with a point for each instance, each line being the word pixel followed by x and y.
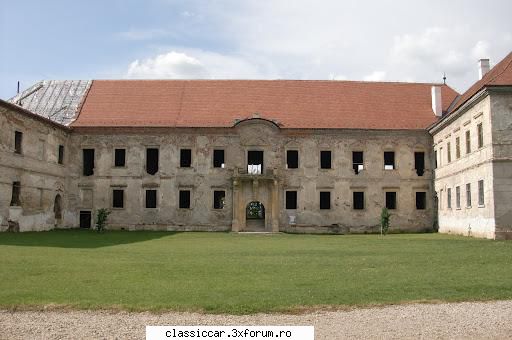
pixel 36 168
pixel 94 192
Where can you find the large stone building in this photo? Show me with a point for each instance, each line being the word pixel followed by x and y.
pixel 277 155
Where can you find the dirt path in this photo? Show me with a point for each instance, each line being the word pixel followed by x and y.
pixel 489 320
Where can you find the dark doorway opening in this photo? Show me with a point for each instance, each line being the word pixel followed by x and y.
pixel 255 216
pixel 85 219
pixel 255 162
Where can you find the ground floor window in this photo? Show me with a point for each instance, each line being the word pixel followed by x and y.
pixel 219 199
pixel 184 199
pixel 358 200
pixel 421 200
pixel 457 197
pixel 391 200
pixel 449 198
pixel 481 197
pixel 117 198
pixel 150 198
pixel 291 199
pixel 325 200
pixel 468 195
pixel 16 192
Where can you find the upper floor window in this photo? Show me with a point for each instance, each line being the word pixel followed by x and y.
pixel 457 147
pixel 325 159
pixel 435 159
pixel 292 159
pixel 419 163
pixel 357 161
pixel 480 131
pixel 255 162
pixel 218 159
pixel 60 158
pixel 152 157
pixel 119 157
pixel 389 160
pixel 18 141
pixel 88 162
pixel 468 141
pixel 448 152
pixel 185 158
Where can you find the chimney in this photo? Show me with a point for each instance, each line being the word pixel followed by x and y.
pixel 437 104
pixel 483 67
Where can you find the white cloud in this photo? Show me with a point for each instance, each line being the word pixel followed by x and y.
pixel 375 76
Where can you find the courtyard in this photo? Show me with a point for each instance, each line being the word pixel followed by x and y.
pixel 246 273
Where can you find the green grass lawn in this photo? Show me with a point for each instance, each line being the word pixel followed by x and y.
pixel 233 273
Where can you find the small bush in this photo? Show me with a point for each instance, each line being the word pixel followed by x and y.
pixel 101 219
pixel 384 220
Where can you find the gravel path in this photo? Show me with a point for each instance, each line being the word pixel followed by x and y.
pixel 468 320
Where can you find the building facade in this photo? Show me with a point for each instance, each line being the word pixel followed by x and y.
pixel 294 156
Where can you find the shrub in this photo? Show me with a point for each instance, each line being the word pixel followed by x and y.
pixel 384 221
pixel 101 219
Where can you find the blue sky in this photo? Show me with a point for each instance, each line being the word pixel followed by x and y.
pixel 356 40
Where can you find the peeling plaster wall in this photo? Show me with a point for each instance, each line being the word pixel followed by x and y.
pixel 36 169
pixel 202 178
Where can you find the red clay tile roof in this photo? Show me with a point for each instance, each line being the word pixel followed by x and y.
pixel 499 75
pixel 292 103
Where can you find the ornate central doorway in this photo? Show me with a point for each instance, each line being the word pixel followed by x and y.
pixel 255 216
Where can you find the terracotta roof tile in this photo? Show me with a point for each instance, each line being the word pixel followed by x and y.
pixel 292 103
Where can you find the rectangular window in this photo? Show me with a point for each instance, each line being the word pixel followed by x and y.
pixel 85 219
pixel 60 158
pixel 441 193
pixel 16 193
pixel 391 200
pixel 468 195
pixel 291 199
pixel 421 200
pixel 325 200
pixel 119 157
pixel 88 162
pixel 435 159
pixel 448 152
pixel 457 197
pixel 358 200
pixel 218 159
pixel 152 157
pixel 292 159
pixel 480 131
pixel 219 199
pixel 389 160
pixel 440 156
pixel 468 141
pixel 419 163
pixel 184 199
pixel 185 158
pixel 254 162
pixel 449 198
pixel 325 159
pixel 357 161
pixel 18 141
pixel 117 198
pixel 150 198
pixel 457 147
pixel 481 197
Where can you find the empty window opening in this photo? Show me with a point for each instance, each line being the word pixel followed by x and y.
pixel 18 141
pixel 117 198
pixel 457 197
pixel 184 199
pixel 218 159
pixel 419 163
pixel 468 141
pixel 421 200
pixel 468 195
pixel 152 160
pixel 219 199
pixel 292 159
pixel 119 157
pixel 88 162
pixel 16 192
pixel 481 197
pixel 448 152
pixel 325 200
pixel 150 198
pixel 449 198
pixel 480 131
pixel 255 162
pixel 60 158
pixel 457 147
pixel 357 161
pixel 325 159
pixel 391 200
pixel 291 199
pixel 185 158
pixel 85 219
pixel 435 159
pixel 389 160
pixel 358 200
